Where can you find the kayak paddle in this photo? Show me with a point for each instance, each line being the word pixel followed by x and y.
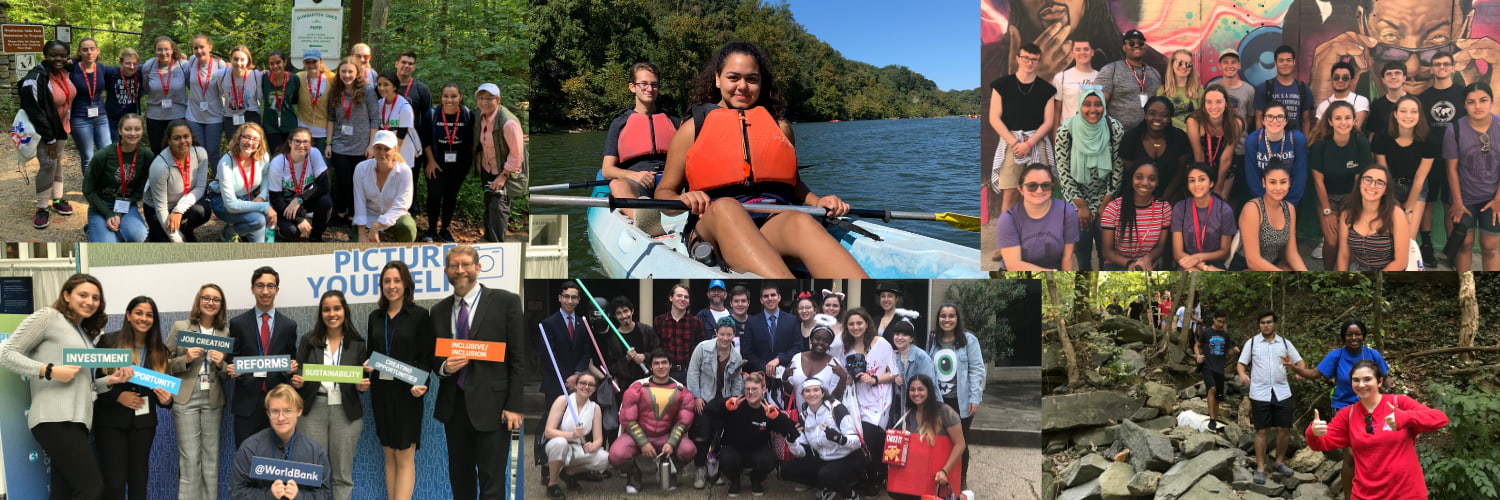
pixel 960 221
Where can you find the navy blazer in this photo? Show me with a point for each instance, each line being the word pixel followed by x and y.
pixel 245 328
pixel 497 318
pixel 572 356
pixel 759 346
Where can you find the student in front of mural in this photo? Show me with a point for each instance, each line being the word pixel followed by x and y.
pixel 1021 111
pixel 1286 89
pixel 1443 105
pixel 124 84
pixel 352 122
pixel 1275 141
pixel 1336 154
pixel 199 409
pixel 238 86
pixel 335 414
pixel 1210 130
pixel 1074 81
pixel 635 148
pixel 259 331
pixel 1129 82
pixel 205 105
pixel 960 388
pixel 399 329
pixel 1262 366
pixel 47 96
pixel 87 116
pixel 1041 232
pixel 1266 247
pixel 1183 87
pixel 1473 176
pixel 242 200
pixel 1155 140
pixel 1384 456
pixel 125 416
pixel 279 104
pixel 1407 147
pixel 280 440
pixel 448 139
pixel 1135 223
pixel 1373 232
pixel 1392 88
pixel 1343 82
pixel 316 82
pixel 176 201
pixel 115 185
pixel 1088 169
pixel 299 190
pixel 166 90
pixel 1202 225
pixel 500 158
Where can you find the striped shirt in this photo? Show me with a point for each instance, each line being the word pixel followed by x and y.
pixel 1372 252
pixel 1151 223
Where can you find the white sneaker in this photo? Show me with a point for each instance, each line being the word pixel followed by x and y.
pixel 700 479
pixel 631 490
pixel 799 488
pixel 1317 252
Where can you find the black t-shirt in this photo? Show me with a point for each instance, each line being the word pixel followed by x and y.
pixel 1403 161
pixel 1135 310
pixel 1168 166
pixel 1443 106
pixel 1024 106
pixel 1379 119
pixel 1215 346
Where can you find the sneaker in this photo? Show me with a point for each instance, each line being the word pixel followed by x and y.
pixel 427 237
pixel 445 236
pixel 700 479
pixel 1427 256
pixel 633 483
pixel 228 234
pixel 1317 252
pixel 827 494
pixel 62 207
pixel 571 481
pixel 1260 477
pixel 799 488
pixel 721 481
pixel 734 488
pixel 555 491
pixel 42 219
pixel 756 488
pixel 1284 470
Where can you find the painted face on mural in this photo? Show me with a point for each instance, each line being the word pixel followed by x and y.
pixel 1047 12
pixel 1414 25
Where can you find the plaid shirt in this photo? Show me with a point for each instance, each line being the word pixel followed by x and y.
pixel 678 337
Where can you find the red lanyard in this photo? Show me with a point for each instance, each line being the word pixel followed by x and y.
pixel 1142 79
pixel 1213 154
pixel 319 94
pixel 91 83
pixel 237 93
pixel 184 166
pixel 166 79
pixel 451 134
pixel 408 88
pixel 281 92
pixel 250 180
pixel 296 175
pixel 385 109
pixel 348 107
pixel 64 84
pixel 125 180
pixel 1199 232
pixel 203 85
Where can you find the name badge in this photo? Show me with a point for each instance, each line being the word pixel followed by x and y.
pixel 203 381
pixel 122 206
pixel 1144 97
pixel 346 129
pixel 145 409
pixel 239 119
pixel 203 105
pixel 93 111
pixel 260 375
pixel 450 157
pixel 166 103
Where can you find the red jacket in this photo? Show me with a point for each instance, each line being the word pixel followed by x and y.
pixel 1385 464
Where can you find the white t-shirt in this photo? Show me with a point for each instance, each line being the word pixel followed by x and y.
pixel 1360 103
pixel 1068 85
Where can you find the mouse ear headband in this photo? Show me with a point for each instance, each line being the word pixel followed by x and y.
pixel 827 292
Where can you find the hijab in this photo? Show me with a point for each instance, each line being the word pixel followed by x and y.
pixel 1090 150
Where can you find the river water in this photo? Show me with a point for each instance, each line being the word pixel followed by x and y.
pixel 918 164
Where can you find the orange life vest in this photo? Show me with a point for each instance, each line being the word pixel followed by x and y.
pixel 644 134
pixel 740 147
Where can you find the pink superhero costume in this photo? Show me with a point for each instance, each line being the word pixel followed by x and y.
pixel 659 414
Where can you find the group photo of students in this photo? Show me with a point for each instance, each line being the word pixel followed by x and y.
pixel 273 146
pixel 111 432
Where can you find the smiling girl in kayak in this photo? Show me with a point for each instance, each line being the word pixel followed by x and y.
pixel 747 156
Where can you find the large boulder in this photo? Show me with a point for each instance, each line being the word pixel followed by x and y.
pixel 1053 360
pixel 1144 483
pixel 1149 450
pixel 1083 470
pixel 1160 423
pixel 1144 414
pixel 1208 489
pixel 1086 409
pixel 1298 479
pixel 1159 396
pixel 1305 460
pixel 1114 483
pixel 1085 491
pixel 1272 488
pixel 1196 390
pixel 1125 330
pixel 1096 436
pixel 1131 362
pixel 1311 491
pixel 1197 444
pixel 1181 477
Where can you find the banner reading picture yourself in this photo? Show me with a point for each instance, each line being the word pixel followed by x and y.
pixel 304 278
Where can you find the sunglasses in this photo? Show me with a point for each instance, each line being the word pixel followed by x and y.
pixel 1032 187
pixel 1484 143
pixel 1342 78
pixel 1394 53
pixel 1135 43
pixel 1369 424
pixel 1185 64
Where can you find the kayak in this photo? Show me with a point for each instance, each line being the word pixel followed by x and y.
pixel 625 251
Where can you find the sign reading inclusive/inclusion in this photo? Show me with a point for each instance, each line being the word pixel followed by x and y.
pixel 96 358
pixel 153 379
pixel 333 373
pixel 211 342
pixel 472 349
pixel 402 371
pixel 257 364
pixel 270 469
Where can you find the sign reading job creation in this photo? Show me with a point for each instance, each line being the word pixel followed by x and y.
pixel 356 272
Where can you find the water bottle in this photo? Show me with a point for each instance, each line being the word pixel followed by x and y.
pixel 703 252
pixel 270 235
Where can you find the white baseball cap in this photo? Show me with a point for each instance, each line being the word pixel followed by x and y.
pixel 386 138
pixel 488 87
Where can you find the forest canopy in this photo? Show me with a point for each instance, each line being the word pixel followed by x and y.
pixel 584 49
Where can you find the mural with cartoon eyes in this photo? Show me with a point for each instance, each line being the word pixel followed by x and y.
pixel 1366 33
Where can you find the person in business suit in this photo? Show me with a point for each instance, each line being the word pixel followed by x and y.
pixel 260 331
pixel 125 416
pixel 473 393
pixel 200 402
pixel 567 335
pixel 771 337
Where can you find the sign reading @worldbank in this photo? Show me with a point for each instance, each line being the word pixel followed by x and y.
pixel 402 371
pixel 96 358
pixel 304 278
pixel 246 365
pixel 152 379
pixel 270 469
pixel 211 342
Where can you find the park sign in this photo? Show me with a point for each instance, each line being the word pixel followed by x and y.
pixel 96 358
pixel 318 24
pixel 21 38
pixel 211 342
pixel 270 469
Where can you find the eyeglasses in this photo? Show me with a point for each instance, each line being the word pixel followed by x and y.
pixel 1032 187
pixel 301 142
pixel 1272 322
pixel 1275 118
pixel 264 286
pixel 1371 181
pixel 1029 58
pixel 463 265
pixel 211 300
pixel 1394 53
pixel 654 85
pixel 1342 78
pixel 288 412
pixel 585 384
pixel 1135 43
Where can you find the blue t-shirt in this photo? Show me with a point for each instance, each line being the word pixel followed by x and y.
pixel 1296 97
pixel 1337 364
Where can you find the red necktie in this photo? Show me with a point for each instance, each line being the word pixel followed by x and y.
pixel 570 326
pixel 265 339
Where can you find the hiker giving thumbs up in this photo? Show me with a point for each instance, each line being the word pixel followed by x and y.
pixel 1381 431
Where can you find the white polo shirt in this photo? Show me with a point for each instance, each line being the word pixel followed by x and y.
pixel 1267 375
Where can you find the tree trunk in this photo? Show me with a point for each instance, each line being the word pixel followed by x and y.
pixel 356 23
pixel 380 11
pixel 1468 325
pixel 157 19
pixel 1062 331
pixel 1380 311
pixel 1192 298
pixel 1083 304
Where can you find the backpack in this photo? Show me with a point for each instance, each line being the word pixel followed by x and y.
pixel 1250 346
pixel 1301 90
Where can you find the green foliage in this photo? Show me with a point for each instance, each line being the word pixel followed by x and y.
pixel 585 48
pixel 1469 465
pixel 985 305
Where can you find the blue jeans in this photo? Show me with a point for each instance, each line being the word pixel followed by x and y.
pixel 251 226
pixel 132 227
pixel 90 134
pixel 208 135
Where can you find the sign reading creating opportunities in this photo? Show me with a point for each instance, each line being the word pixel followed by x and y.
pixel 257 364
pixel 270 469
pixel 211 342
pixel 96 358
pixel 304 278
pixel 402 371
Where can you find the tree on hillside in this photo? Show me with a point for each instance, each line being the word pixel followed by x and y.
pixel 1074 381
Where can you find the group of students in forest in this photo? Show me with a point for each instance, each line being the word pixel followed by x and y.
pixel 306 151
